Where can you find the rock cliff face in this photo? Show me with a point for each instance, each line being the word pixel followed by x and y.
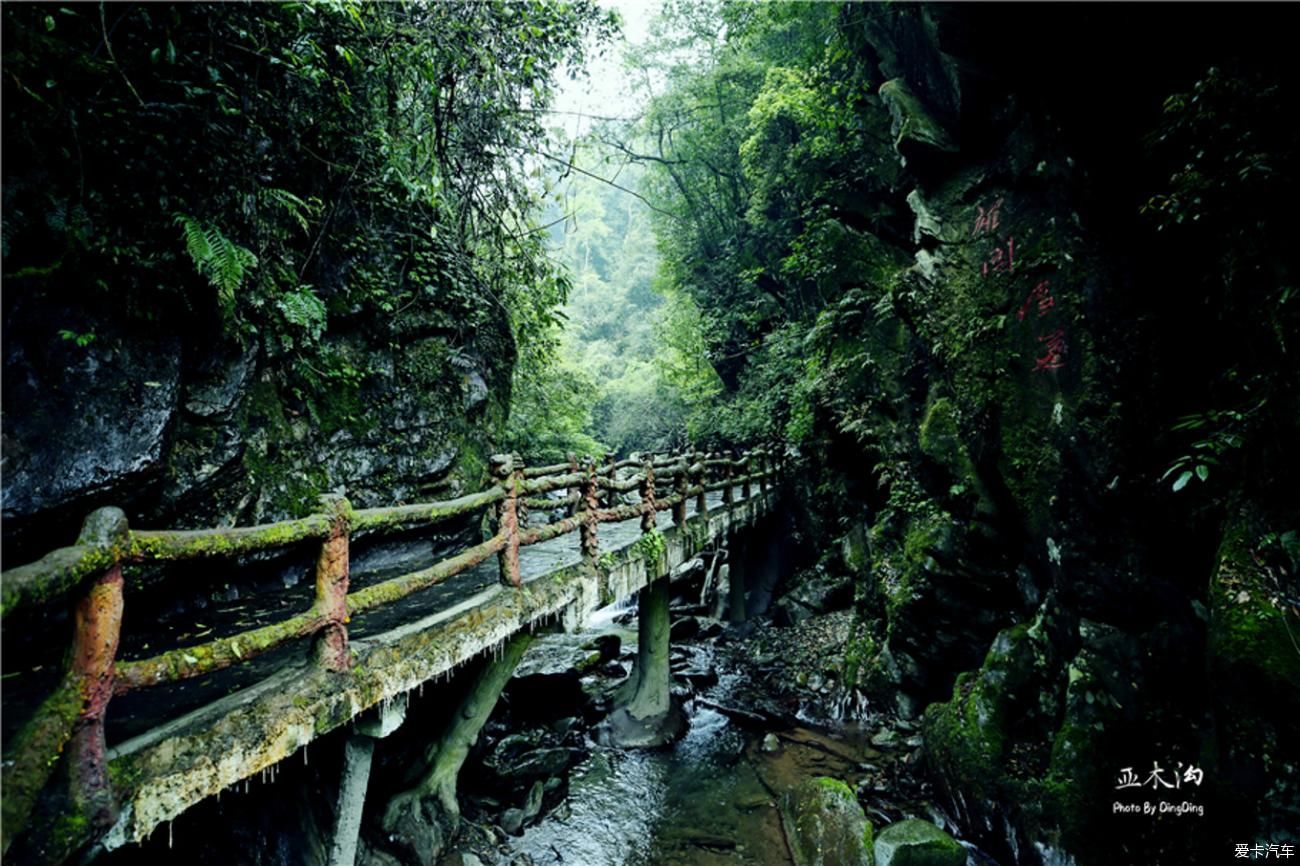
pixel 1052 337
pixel 227 290
pixel 188 431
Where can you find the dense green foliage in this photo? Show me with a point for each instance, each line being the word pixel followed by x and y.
pixel 1052 461
pixel 267 171
pixel 758 150
pixel 627 364
pixel 715 152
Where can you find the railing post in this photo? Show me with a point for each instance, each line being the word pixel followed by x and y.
pixel 762 471
pixel 332 586
pixel 588 506
pixel 611 496
pixel 503 469
pixel 728 492
pixel 648 496
pixel 575 492
pixel 683 483
pixel 701 498
pixel 746 468
pixel 521 501
pixel 98 619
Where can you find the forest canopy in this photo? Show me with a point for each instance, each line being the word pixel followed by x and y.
pixel 264 172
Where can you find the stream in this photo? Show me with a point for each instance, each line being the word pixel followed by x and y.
pixel 691 803
pixel 712 797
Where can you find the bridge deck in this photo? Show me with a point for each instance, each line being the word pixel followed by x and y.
pixel 279 703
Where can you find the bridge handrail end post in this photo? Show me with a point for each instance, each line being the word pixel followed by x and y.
pixel 332 578
pixel 508 469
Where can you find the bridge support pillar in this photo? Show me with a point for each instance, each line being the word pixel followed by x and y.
pixel 736 584
pixel 358 751
pixel 651 677
pixel 418 823
pixel 647 715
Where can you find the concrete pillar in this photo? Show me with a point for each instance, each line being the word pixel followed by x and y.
pixel 650 696
pixel 736 583
pixel 358 752
pixel 722 593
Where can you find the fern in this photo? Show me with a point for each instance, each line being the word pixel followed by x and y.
pixel 302 309
pixel 196 240
pixel 297 209
pixel 222 261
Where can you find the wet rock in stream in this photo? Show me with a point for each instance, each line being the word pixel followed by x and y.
pixel 917 843
pixel 825 825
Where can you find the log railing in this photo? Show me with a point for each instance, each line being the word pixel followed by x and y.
pixel 73 716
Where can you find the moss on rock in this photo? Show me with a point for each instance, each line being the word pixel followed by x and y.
pixel 969 739
pixel 825 824
pixel 1249 635
pixel 917 843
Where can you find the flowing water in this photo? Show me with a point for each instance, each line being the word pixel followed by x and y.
pixel 708 799
pixel 699 801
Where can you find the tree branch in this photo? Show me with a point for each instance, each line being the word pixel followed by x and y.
pixel 604 180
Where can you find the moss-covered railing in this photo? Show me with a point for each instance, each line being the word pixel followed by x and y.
pixel 89 574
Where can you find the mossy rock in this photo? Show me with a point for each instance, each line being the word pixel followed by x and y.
pixel 915 129
pixel 967 739
pixel 939 437
pixel 825 825
pixel 917 843
pixel 1254 676
pixel 855 550
pixel 1248 635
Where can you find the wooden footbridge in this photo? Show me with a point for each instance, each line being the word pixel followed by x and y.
pixel 354 647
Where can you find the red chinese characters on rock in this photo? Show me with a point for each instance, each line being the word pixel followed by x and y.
pixel 1040 301
pixel 1055 345
pixel 987 220
pixel 1003 258
pixel 1042 296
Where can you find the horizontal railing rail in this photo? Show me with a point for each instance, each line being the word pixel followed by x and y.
pixel 73 715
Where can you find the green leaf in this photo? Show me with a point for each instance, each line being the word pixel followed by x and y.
pixel 216 257
pixel 1202 471
pixel 1182 481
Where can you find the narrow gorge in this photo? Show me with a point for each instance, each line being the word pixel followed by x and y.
pixel 618 434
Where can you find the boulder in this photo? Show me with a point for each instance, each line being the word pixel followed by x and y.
pixel 917 843
pixel 684 629
pixel 916 131
pixel 513 821
pixel 825 825
pixel 811 593
pixel 86 424
pixel 521 769
pixel 608 645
